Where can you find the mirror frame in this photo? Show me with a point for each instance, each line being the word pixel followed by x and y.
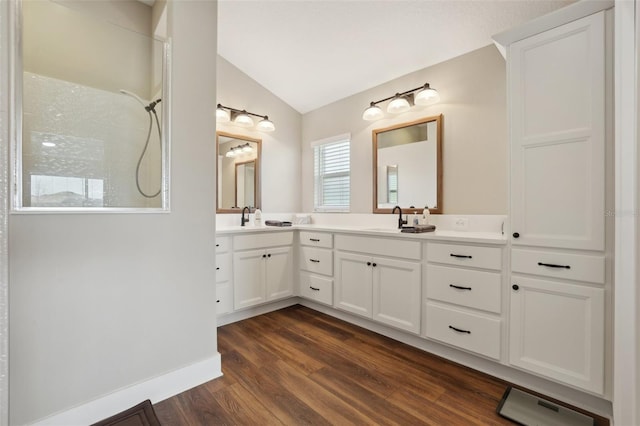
pixel 258 142
pixel 375 132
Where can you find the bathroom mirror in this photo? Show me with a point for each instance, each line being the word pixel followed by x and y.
pixel 407 166
pixel 238 172
pixel 92 106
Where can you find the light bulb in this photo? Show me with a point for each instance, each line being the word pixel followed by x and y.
pixel 398 105
pixel 243 120
pixel 372 113
pixel 426 96
pixel 222 115
pixel 266 125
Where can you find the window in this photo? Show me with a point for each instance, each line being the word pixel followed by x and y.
pixel 332 167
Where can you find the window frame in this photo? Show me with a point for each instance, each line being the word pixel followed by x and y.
pixel 318 188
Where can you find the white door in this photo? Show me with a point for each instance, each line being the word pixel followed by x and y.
pixel 556 330
pixel 248 278
pixel 396 293
pixel 353 283
pixel 557 107
pixel 279 273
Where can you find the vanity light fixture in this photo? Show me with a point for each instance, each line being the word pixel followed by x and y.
pixel 234 151
pixel 243 118
pixel 402 102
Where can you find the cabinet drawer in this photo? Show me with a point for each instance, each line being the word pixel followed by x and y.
pixel 465 255
pixel 224 298
pixel 223 267
pixel 466 287
pixel 316 239
pixel 270 239
pixel 316 260
pixel 581 267
pixel 466 330
pixel 223 244
pixel 379 246
pixel 316 288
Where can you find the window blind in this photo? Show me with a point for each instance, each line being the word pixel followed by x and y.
pixel 332 182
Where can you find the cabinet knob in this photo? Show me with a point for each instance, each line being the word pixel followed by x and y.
pixel 264 256
pixel 375 264
pixel 368 263
pixel 516 287
pixel 269 255
pixel 218 301
pixel 516 235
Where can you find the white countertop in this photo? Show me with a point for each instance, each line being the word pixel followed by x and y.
pixel 437 235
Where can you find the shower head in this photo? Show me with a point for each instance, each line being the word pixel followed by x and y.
pixel 134 96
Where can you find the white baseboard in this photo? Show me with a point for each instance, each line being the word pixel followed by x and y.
pixel 156 389
pixel 256 310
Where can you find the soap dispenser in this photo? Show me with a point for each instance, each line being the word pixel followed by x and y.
pixel 257 218
pixel 414 219
pixel 425 215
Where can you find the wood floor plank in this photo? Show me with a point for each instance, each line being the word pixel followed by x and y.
pixel 297 366
pixel 272 393
pixel 243 407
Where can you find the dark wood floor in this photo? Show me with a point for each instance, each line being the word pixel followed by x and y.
pixel 297 366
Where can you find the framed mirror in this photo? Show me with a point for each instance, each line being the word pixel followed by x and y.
pixel 92 113
pixel 407 166
pixel 238 172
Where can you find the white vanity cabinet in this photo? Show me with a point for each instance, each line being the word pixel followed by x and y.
pixel 463 303
pixel 316 266
pixel 371 283
pixel 262 268
pixel 559 97
pixel 224 282
pixel 557 136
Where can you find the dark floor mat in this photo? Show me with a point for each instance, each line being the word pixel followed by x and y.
pixel 140 415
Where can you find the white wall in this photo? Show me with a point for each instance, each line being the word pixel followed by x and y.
pixel 103 301
pixel 626 382
pixel 107 57
pixel 4 214
pixel 473 92
pixel 280 162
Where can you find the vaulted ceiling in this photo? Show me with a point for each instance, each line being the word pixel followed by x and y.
pixel 310 53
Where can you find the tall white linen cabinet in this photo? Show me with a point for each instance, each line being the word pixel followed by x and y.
pixel 560 121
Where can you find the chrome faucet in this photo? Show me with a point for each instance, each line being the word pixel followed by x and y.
pixel 242 219
pixel 400 220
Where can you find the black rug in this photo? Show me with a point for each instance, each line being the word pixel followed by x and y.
pixel 140 415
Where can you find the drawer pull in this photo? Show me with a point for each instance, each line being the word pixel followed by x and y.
pixel 460 256
pixel 459 287
pixel 314 288
pixel 315 260
pixel 459 330
pixel 551 265
pixel 315 240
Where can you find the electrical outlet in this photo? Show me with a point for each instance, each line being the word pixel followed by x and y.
pixel 461 223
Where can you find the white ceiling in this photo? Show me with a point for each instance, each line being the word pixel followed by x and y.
pixel 310 53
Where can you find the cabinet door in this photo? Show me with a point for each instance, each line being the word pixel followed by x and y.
pixel 556 330
pixel 248 278
pixel 353 283
pixel 396 293
pixel 279 273
pixel 557 107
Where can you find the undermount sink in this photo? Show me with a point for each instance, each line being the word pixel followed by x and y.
pixel 392 230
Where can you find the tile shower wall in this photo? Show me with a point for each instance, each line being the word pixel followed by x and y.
pixel 81 146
